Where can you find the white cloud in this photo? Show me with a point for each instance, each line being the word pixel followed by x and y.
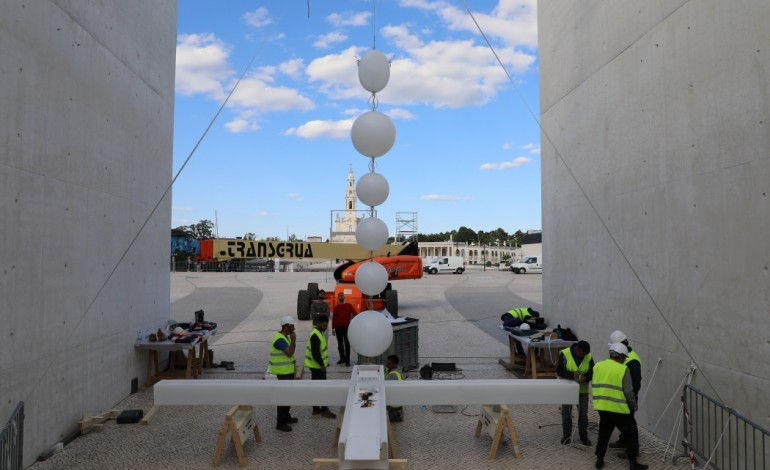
pixel 507 146
pixel 514 22
pixel 201 65
pixel 322 129
pixel 454 74
pixel 182 209
pixel 263 214
pixel 533 148
pixel 241 125
pixel 256 92
pixel 349 18
pixel 258 17
pixel 295 196
pixel 446 197
pixel 326 40
pixel 516 162
pixel 353 112
pixel 292 68
pixel 400 113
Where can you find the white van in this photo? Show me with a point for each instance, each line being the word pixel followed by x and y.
pixel 529 264
pixel 445 264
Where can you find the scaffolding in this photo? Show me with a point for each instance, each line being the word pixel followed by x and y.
pixel 406 226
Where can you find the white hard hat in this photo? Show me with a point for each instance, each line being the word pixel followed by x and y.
pixel 287 320
pixel 619 348
pixel 617 336
pixel 524 326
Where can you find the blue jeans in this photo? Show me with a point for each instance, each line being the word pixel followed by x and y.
pixel 566 417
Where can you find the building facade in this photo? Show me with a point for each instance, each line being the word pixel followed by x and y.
pixel 471 254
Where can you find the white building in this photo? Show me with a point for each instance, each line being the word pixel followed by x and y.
pixel 345 224
pixel 532 245
pixel 471 253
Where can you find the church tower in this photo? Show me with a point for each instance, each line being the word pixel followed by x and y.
pixel 345 230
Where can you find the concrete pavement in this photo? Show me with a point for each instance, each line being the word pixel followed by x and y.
pixel 251 304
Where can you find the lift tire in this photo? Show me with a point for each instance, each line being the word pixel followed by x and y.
pixel 303 305
pixel 312 290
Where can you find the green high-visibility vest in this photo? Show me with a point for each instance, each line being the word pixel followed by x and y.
pixel 520 313
pixel 632 356
pixel 394 375
pixel 280 363
pixel 608 387
pixel 309 361
pixel 569 362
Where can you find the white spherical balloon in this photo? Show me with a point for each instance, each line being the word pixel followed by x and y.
pixel 370 333
pixel 373 134
pixel 371 278
pixel 372 233
pixel 374 71
pixel 372 189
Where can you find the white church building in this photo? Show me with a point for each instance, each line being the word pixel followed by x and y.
pixel 346 221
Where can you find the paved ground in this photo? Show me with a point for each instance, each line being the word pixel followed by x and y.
pixel 458 322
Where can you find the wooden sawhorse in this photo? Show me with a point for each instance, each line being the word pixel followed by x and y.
pixel 495 422
pixel 239 421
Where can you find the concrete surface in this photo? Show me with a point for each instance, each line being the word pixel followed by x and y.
pixel 660 110
pixel 86 93
pixel 185 437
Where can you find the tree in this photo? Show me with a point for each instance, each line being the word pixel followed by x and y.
pixel 249 236
pixel 293 238
pixel 464 234
pixel 518 237
pixel 203 230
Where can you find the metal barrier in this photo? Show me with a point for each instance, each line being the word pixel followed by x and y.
pixel 12 441
pixel 720 436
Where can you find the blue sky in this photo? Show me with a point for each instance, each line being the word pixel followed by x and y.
pixel 467 152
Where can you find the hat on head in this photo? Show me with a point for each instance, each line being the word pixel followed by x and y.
pixel 617 336
pixel 287 320
pixel 619 348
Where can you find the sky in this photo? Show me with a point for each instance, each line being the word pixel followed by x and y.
pixel 275 161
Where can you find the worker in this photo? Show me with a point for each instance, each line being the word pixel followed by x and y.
pixel 342 314
pixel 282 365
pixel 395 412
pixel 575 363
pixel 317 358
pixel 614 400
pixel 634 364
pixel 521 314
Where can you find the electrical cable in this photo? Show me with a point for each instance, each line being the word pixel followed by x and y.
pixel 592 205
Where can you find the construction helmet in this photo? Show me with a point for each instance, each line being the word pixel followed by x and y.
pixel 524 326
pixel 617 336
pixel 619 348
pixel 287 320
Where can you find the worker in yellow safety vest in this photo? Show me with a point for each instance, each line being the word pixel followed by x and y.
pixel 634 364
pixel 575 363
pixel 614 400
pixel 395 412
pixel 521 313
pixel 317 358
pixel 282 365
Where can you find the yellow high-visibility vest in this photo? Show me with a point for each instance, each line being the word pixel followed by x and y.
pixel 571 365
pixel 309 361
pixel 280 363
pixel 608 387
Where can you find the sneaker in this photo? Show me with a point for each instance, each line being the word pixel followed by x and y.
pixel 292 420
pixel 341 361
pixel 327 413
pixel 618 445
pixel 623 455
pixel 283 427
pixel 638 466
pixel 566 440
pixel 599 463
pixel 585 441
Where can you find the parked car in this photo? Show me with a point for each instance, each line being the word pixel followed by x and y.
pixel 529 264
pixel 445 264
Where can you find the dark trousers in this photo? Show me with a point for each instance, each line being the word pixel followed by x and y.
pixel 566 417
pixel 283 411
pixel 318 374
pixel 626 424
pixel 343 343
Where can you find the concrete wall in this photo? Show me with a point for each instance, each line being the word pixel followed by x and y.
pixel 661 110
pixel 86 118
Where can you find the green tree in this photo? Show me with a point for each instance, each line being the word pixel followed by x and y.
pixel 249 236
pixel 518 237
pixel 203 230
pixel 464 234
